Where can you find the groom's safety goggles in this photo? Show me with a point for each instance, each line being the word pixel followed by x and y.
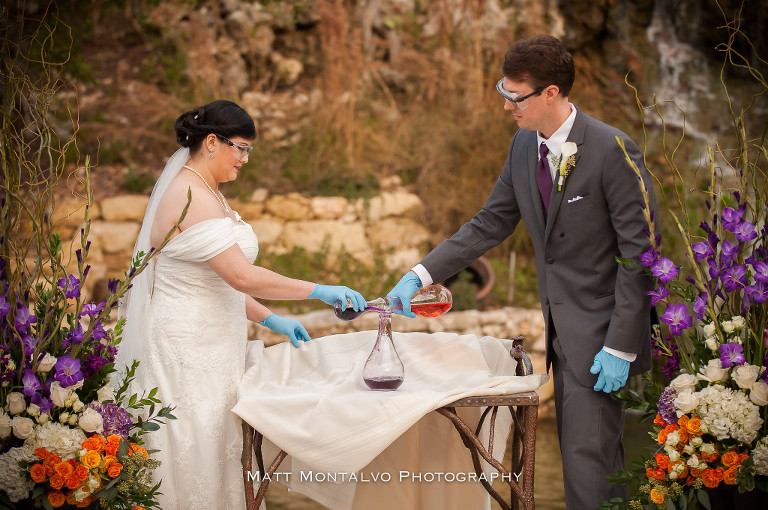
pixel 514 97
pixel 243 151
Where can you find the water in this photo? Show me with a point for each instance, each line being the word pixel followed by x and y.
pixel 548 486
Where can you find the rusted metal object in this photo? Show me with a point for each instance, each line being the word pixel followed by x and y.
pixel 519 477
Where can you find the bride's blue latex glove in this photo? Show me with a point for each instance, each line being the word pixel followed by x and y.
pixel 291 328
pixel 612 371
pixel 333 294
pixel 408 285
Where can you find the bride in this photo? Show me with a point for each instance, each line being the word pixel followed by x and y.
pixel 186 313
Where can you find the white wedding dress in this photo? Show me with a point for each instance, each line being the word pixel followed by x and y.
pixel 194 352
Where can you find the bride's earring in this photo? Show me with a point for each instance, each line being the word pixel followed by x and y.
pixel 210 154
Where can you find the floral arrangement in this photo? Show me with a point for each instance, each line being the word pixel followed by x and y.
pixel 710 412
pixel 67 436
pixel 565 162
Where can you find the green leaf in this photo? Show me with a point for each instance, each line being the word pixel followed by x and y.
pixel 703 498
pixel 150 426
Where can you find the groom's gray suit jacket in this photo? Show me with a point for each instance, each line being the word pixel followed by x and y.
pixel 593 300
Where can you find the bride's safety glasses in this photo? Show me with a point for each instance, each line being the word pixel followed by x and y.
pixel 243 151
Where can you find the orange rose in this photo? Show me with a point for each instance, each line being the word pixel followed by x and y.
pixel 42 453
pixel 72 481
pixel 662 461
pixel 657 497
pixel 694 426
pixel 697 473
pixel 64 469
pixel 729 477
pixel 37 472
pixel 659 474
pixel 138 449
pixel 84 503
pixel 71 498
pixel 710 478
pixel 56 499
pixel 138 508
pixel 91 459
pixel 113 443
pixel 662 437
pixel 114 470
pixel 730 458
pixel 682 473
pixel 95 443
pixel 709 457
pixel 682 421
pixel 659 421
pixel 108 461
pixel 81 472
pixel 56 481
pixel 720 474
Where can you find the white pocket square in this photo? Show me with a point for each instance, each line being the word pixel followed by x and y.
pixel 575 199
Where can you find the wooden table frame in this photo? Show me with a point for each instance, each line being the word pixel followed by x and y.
pixel 524 409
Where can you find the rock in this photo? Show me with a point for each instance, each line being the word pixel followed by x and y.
pixel 329 208
pixel 287 70
pixel 339 237
pixel 124 208
pixel 68 215
pixel 391 233
pixel 402 260
pixel 114 237
pixel 247 210
pixel 260 195
pixel 292 206
pixel 267 231
pixel 399 203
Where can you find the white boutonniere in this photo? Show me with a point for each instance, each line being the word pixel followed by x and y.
pixel 565 162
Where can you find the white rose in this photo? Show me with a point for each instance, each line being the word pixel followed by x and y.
pixel 46 364
pixel 696 441
pixel 59 395
pixel 91 421
pixel 674 456
pixel 16 402
pixel 63 417
pixel 5 425
pixel 745 375
pixel 33 410
pixel 709 329
pixel 693 461
pixel 713 372
pixel 712 344
pixel 43 418
pixel 106 393
pixel 71 399
pixel 686 402
pixel 727 326
pixel 77 406
pixel 759 393
pixel 22 427
pixel 689 449
pixel 684 382
pixel 708 448
pixel 738 321
pixel 673 438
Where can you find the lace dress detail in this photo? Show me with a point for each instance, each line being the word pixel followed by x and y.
pixel 194 353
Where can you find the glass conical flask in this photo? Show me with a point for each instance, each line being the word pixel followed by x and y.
pixel 431 301
pixel 383 370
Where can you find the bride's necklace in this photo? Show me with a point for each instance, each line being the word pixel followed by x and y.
pixel 216 195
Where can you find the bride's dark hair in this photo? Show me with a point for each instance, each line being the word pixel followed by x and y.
pixel 220 117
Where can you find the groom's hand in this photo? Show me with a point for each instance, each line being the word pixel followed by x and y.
pixel 612 371
pixel 404 291
pixel 291 328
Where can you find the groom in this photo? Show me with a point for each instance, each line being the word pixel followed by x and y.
pixel 581 213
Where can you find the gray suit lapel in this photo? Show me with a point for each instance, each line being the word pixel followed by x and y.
pixel 533 159
pixel 576 136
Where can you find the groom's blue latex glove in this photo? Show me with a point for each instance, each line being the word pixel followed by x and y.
pixel 332 294
pixel 408 285
pixel 612 371
pixel 291 328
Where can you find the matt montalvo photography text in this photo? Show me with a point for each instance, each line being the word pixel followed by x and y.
pixel 402 476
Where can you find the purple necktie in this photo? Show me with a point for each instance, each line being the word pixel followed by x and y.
pixel 544 177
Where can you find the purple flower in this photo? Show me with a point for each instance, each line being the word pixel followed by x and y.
pixel 43 403
pixel 658 295
pixel 761 271
pixel 112 285
pixel 667 409
pixel 30 382
pixel 5 307
pixel 700 306
pixel 735 278
pixel 71 286
pixel 677 318
pixel 648 257
pixel 98 332
pixel 702 250
pixel 93 364
pixel 24 319
pixel 745 231
pixel 728 253
pixel 731 217
pixel 758 292
pixel 731 354
pixel 116 420
pixel 75 336
pixel 92 309
pixel 68 371
pixel 28 344
pixel 664 269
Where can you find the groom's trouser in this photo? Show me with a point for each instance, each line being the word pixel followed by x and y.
pixel 590 425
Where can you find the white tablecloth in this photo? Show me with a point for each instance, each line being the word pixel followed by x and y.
pixel 312 403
